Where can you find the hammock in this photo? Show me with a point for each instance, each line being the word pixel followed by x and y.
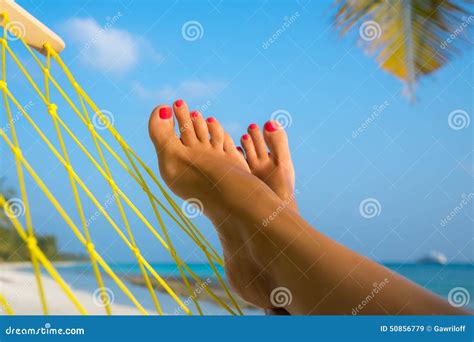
pixel 21 30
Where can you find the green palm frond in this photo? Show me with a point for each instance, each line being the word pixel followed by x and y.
pixel 410 38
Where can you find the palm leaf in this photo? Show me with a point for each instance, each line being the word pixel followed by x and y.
pixel 410 38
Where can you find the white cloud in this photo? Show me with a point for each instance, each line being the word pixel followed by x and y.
pixel 108 48
pixel 188 89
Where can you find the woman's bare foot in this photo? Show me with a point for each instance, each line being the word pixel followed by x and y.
pixel 319 275
pixel 204 163
pixel 269 159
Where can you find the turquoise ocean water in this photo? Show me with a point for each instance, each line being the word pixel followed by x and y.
pixel 441 279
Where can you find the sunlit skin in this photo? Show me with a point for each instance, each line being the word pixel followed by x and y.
pixel 269 158
pixel 322 276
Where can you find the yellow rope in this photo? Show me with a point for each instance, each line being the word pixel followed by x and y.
pixel 4 88
pixel 6 306
pixel 21 180
pixel 84 95
pixel 187 226
pixel 115 134
pixel 99 168
pixel 168 240
pixel 52 109
pixel 70 223
pixel 122 213
pixel 36 251
pixel 123 143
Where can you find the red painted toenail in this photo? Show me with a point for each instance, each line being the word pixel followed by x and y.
pixel 179 103
pixel 210 120
pixel 194 114
pixel 270 126
pixel 245 136
pixel 165 112
pixel 253 126
pixel 239 149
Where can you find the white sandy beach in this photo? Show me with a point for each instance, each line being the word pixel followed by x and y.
pixel 20 290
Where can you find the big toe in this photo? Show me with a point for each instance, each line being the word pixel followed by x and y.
pixel 277 141
pixel 161 128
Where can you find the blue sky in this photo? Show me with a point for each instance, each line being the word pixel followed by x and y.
pixel 407 158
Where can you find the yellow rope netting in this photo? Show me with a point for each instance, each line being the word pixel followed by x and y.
pixel 132 165
pixel 4 304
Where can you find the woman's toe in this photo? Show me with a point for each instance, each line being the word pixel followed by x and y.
pixel 277 141
pixel 185 123
pixel 258 141
pixel 161 127
pixel 200 126
pixel 249 148
pixel 216 132
pixel 229 145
